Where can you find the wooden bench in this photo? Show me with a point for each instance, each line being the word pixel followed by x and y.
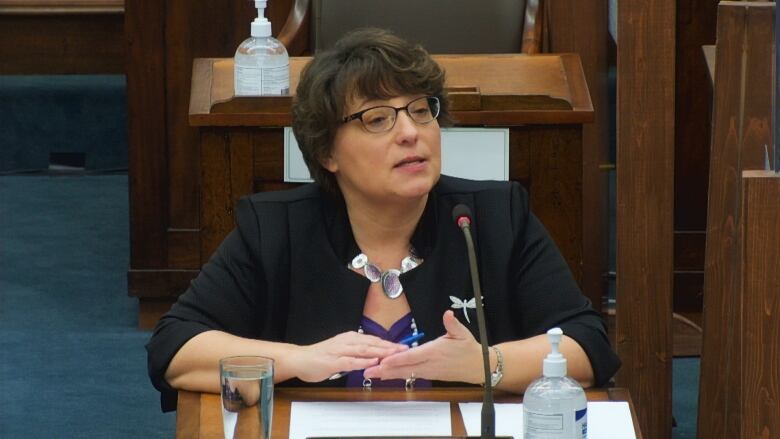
pixel 62 36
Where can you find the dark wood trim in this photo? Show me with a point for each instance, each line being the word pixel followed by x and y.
pixel 645 203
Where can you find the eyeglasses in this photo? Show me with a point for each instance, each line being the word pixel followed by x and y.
pixel 382 118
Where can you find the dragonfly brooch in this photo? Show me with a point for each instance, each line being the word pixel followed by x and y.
pixel 464 305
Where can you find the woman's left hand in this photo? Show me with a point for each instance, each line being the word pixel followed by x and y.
pixel 455 356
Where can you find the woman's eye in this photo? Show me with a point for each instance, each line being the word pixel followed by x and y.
pixel 375 121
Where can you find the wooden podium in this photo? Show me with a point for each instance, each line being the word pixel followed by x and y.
pixel 199 414
pixel 542 99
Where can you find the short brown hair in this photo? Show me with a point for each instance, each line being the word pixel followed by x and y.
pixel 369 63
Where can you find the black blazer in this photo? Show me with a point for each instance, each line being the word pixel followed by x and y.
pixel 282 275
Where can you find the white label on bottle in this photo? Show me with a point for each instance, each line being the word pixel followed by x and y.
pixel 268 81
pixel 556 425
pixel 544 422
pixel 276 80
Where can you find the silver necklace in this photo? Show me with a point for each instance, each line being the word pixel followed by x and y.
pixel 390 279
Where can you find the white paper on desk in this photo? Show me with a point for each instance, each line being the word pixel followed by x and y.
pixel 606 419
pixel 403 418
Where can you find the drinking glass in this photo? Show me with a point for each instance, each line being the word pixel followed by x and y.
pixel 247 396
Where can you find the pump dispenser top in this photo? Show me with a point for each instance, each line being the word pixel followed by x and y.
pixel 261 27
pixel 555 363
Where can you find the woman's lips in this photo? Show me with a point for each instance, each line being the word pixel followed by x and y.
pixel 410 161
pixel 413 164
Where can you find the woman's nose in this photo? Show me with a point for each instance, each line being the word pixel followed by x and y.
pixel 406 128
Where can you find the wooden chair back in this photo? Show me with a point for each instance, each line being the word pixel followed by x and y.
pixel 442 26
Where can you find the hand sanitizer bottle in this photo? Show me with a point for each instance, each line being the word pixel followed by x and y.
pixel 262 67
pixel 554 406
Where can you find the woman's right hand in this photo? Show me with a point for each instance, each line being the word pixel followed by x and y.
pixel 342 353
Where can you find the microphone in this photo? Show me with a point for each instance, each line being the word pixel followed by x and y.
pixel 461 214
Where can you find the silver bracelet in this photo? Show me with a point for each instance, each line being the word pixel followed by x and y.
pixel 496 376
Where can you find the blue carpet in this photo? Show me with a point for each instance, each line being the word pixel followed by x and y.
pixel 73 364
pixel 685 396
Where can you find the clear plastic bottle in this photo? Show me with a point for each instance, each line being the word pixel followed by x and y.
pixel 262 66
pixel 555 406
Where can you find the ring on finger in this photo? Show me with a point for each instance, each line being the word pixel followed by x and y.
pixel 409 385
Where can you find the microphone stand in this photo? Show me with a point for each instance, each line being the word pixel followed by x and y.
pixel 488 409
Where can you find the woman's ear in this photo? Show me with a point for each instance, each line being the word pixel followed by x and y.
pixel 329 163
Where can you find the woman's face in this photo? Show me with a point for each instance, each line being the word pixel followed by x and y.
pixel 396 165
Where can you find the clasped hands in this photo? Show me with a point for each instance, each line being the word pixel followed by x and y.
pixel 455 356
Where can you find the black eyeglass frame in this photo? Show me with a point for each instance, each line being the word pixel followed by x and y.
pixel 359 114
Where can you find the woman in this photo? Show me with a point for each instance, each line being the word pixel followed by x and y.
pixel 329 277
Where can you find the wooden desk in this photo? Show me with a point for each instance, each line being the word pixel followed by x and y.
pixel 542 99
pixel 199 414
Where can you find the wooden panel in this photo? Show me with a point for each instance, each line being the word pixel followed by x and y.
pixel 184 249
pixel 216 211
pixel 645 202
pixel 760 397
pixel 150 311
pixel 741 121
pixel 85 43
pixel 226 175
pixel 148 164
pixel 582 27
pixel 241 164
pixel 159 284
pixel 556 187
pixel 519 155
pixel 269 154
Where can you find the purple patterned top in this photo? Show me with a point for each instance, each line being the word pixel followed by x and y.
pixel 397 332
